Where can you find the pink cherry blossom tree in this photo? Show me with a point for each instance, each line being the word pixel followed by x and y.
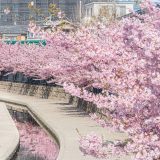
pixel 122 59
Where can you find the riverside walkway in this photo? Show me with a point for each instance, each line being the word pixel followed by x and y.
pixel 9 136
pixel 62 120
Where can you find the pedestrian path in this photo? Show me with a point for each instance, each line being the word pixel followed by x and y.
pixel 62 120
pixel 9 136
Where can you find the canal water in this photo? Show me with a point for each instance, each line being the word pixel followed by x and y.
pixel 35 143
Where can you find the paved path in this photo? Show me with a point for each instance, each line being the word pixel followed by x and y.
pixel 62 120
pixel 9 136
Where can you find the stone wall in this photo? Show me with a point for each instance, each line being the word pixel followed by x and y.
pixel 88 107
pixel 40 91
pixel 50 92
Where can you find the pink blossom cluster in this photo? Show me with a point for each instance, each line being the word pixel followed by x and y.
pixel 99 120
pixel 35 140
pixel 146 146
pixel 92 144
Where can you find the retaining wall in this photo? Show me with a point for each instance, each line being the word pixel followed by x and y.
pixel 40 91
pixel 50 92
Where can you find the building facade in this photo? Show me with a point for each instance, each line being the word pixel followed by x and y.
pixel 95 8
pixel 15 14
pixel 18 11
pixel 70 8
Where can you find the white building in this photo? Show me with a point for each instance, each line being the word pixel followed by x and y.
pixel 108 7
